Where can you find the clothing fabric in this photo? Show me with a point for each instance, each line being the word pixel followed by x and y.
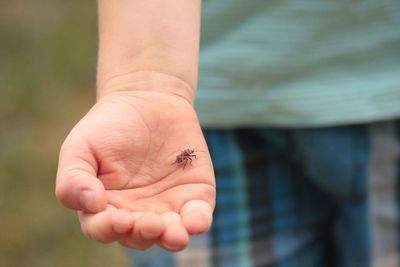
pixel 298 63
pixel 319 197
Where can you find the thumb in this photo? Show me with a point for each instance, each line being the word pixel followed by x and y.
pixel 77 185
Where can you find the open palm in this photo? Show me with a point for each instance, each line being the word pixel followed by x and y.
pixel 117 166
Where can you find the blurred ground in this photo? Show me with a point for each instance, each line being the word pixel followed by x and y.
pixel 47 77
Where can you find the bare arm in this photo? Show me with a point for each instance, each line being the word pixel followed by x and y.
pixel 150 40
pixel 115 165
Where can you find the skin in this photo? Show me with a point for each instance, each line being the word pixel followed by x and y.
pixel 115 165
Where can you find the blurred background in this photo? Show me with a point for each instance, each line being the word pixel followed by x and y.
pixel 47 82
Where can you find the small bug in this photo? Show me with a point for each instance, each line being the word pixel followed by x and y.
pixel 185 156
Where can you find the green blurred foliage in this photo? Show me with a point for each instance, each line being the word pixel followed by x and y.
pixel 47 77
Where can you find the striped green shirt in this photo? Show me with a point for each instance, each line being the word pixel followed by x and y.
pixel 299 63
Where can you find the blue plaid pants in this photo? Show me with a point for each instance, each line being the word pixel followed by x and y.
pixel 321 197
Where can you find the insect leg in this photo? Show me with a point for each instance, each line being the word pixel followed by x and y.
pixel 186 161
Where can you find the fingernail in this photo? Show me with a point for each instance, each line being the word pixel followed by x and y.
pixel 123 222
pixel 149 235
pixel 88 201
pixel 122 228
pixel 172 248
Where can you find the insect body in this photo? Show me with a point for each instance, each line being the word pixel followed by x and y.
pixel 185 156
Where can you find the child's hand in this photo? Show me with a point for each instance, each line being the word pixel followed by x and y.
pixel 116 167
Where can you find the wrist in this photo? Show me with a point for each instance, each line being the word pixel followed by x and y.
pixel 146 80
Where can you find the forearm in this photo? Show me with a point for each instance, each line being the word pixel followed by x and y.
pixel 146 44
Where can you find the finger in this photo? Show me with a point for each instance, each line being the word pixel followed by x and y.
pixel 148 228
pixel 79 190
pixel 107 226
pixel 196 216
pixel 77 186
pixel 175 237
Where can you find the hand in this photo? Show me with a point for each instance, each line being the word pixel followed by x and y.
pixel 116 167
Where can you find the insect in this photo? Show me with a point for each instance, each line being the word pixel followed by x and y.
pixel 185 156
